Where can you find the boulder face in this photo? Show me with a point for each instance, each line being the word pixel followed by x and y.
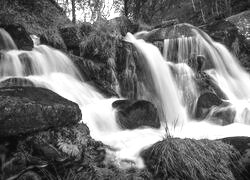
pixel 19 35
pixel 135 114
pixel 205 102
pixel 28 109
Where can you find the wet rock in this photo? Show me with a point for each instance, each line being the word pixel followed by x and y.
pixel 206 84
pixel 234 33
pixel 15 82
pixel 19 35
pixel 29 109
pixel 135 114
pixel 205 102
pixel 71 38
pixel 223 115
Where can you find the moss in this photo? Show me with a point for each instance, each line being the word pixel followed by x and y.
pixel 191 159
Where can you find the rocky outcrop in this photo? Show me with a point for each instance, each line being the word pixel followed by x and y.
pixel 29 109
pixel 205 102
pixel 234 33
pixel 20 36
pixel 136 114
pixel 16 82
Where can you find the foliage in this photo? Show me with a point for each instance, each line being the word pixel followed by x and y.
pixel 191 159
pixel 100 45
pixel 52 38
pixel 36 16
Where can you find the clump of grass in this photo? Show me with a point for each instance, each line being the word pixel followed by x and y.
pixel 191 159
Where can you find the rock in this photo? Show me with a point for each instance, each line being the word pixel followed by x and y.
pixel 71 38
pixel 135 114
pixel 223 115
pixel 205 83
pixel 19 35
pixel 28 109
pixel 242 144
pixel 205 102
pixel 15 82
pixel 52 38
pixel 234 33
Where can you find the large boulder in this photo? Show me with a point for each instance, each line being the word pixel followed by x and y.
pixel 19 35
pixel 205 102
pixel 135 114
pixel 28 109
pixel 16 82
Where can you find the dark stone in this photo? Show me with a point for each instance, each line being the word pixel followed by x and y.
pixel 28 109
pixel 71 38
pixel 205 102
pixel 242 144
pixel 135 114
pixel 206 84
pixel 15 82
pixel 223 115
pixel 19 35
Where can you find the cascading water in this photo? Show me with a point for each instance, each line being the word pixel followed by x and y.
pixel 51 69
pixel 175 91
pixel 220 65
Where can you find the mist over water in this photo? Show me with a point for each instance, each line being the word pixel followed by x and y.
pixel 176 90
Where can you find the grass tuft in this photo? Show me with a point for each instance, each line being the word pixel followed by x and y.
pixel 191 159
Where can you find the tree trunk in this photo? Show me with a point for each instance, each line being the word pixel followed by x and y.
pixel 73 3
pixel 126 8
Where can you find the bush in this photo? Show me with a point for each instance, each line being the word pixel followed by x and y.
pixel 52 38
pixel 86 29
pixel 99 46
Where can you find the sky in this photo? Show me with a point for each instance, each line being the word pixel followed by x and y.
pixel 85 15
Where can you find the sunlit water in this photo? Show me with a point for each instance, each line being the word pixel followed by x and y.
pixel 176 91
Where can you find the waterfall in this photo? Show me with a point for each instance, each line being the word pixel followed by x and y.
pixel 173 81
pixel 49 68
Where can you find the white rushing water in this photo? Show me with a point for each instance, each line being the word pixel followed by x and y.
pixel 175 90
